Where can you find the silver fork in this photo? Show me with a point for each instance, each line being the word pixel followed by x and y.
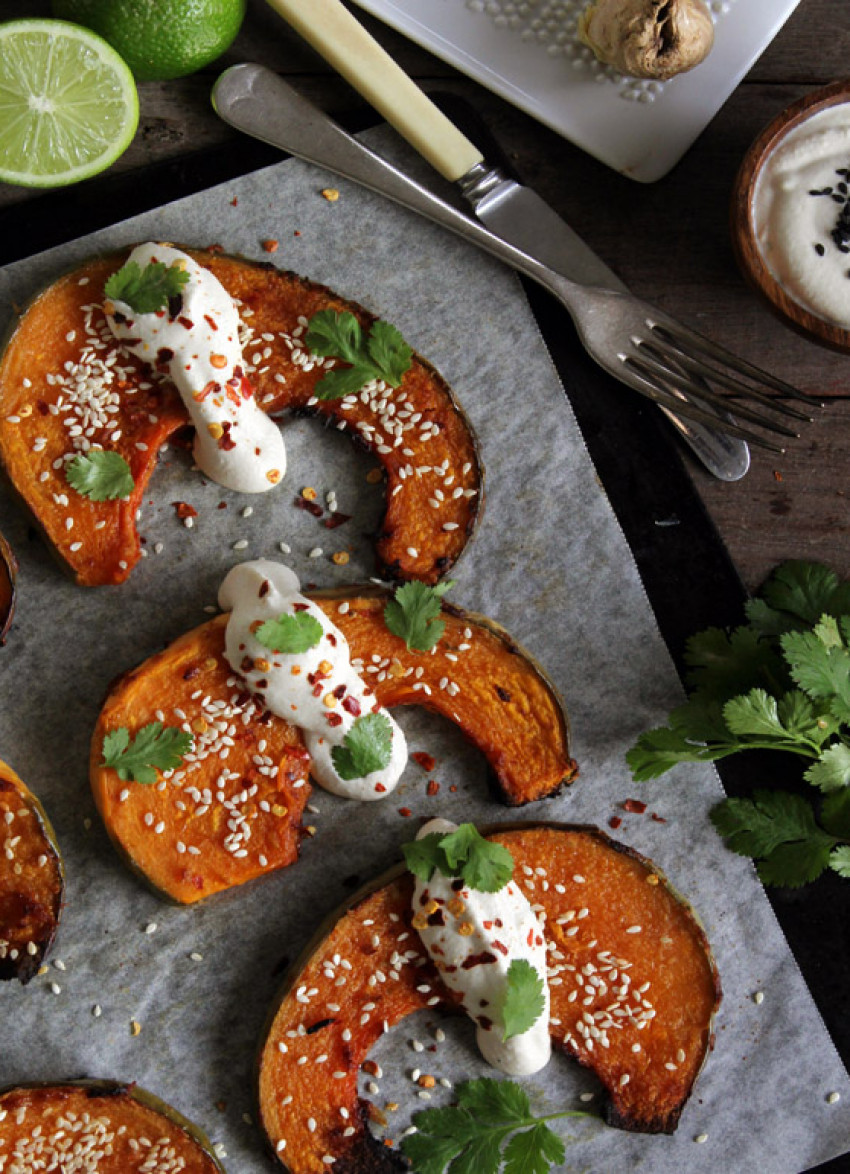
pixel 639 345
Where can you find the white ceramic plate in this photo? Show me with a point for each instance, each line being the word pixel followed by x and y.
pixel 527 52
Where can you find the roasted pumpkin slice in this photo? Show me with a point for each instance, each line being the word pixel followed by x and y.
pixel 232 809
pixel 65 385
pixel 98 1126
pixel 633 987
pixel 8 578
pixel 478 677
pixel 31 879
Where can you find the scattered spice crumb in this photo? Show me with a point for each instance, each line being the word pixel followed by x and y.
pixel 426 761
pixel 777 476
pixel 614 821
pixel 658 818
pixel 433 787
pixel 340 557
pixel 426 1081
pixel 453 788
pixel 374 476
pixel 135 1027
pixel 405 811
pixel 270 245
pixel 309 493
pixel 183 510
pixel 635 806
pixel 234 202
pixel 330 194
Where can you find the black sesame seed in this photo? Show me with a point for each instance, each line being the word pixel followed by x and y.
pixel 820 250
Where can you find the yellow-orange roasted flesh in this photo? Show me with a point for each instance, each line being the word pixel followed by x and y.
pixel 31 879
pixel 8 578
pixel 633 996
pixel 65 385
pixel 479 678
pixel 98 1126
pixel 232 810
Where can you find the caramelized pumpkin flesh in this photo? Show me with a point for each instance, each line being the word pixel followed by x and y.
pixel 100 1127
pixel 66 386
pixel 232 810
pixel 31 879
pixel 633 995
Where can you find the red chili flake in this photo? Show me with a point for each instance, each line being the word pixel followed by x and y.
pixel 352 705
pixel 270 246
pixel 184 510
pixel 300 606
pixel 369 1067
pixel 226 443
pixel 210 321
pixel 433 787
pixel 297 232
pixel 614 821
pixel 453 788
pixel 530 938
pixel 336 519
pixel 215 248
pixel 265 587
pixel 222 505
pixel 43 409
pixel 339 692
pixel 635 806
pixel 658 818
pixel 405 811
pixel 777 476
pixel 312 507
pixel 234 201
pixel 211 388
pixel 186 323
pixel 380 787
pixel 334 719
pixel 426 761
pixel 498 946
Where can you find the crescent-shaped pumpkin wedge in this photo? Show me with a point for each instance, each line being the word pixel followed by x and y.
pixel 211 824
pixel 8 579
pixel 31 879
pixel 98 1126
pixel 66 386
pixel 633 992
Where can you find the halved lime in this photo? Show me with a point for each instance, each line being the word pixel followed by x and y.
pixel 68 103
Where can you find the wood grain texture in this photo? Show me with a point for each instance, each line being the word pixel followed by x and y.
pixel 669 241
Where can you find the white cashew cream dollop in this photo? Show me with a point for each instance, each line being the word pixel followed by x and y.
pixel 472 938
pixel 318 690
pixel 236 444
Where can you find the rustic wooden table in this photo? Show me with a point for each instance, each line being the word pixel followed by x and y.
pixel 675 252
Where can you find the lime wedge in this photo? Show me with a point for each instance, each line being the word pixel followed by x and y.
pixel 68 103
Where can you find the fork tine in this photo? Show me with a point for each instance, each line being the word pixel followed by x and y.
pixel 686 386
pixel 705 370
pixel 681 337
pixel 642 379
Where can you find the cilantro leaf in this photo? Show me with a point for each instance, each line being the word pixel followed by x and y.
pixel 467 1138
pixel 832 769
pixel 412 614
pixel 382 354
pixel 367 747
pixel 657 751
pixel 423 856
pixel 835 813
pixel 100 475
pixel 153 748
pixel 494 1100
pixel 484 866
pixel 818 665
pixel 290 633
pixel 147 289
pixel 722 665
pixel 534 1151
pixel 806 590
pixel 524 1000
pixel 389 352
pixel 779 831
pixel 839 860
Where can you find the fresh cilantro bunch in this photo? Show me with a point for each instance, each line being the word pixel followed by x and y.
pixel 146 289
pixel 779 682
pixel 483 865
pixel 413 614
pixel 381 354
pixel 491 1124
pixel 153 748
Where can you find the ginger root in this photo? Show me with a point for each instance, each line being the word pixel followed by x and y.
pixel 648 38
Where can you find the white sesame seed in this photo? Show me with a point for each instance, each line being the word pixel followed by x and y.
pixel 833 1098
pixel 700 1138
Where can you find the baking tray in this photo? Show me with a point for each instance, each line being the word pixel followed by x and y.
pixel 689 578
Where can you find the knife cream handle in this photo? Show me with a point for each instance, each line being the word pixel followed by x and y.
pixel 346 45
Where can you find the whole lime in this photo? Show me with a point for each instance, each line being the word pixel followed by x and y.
pixel 160 39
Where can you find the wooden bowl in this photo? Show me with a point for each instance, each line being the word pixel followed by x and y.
pixel 744 239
